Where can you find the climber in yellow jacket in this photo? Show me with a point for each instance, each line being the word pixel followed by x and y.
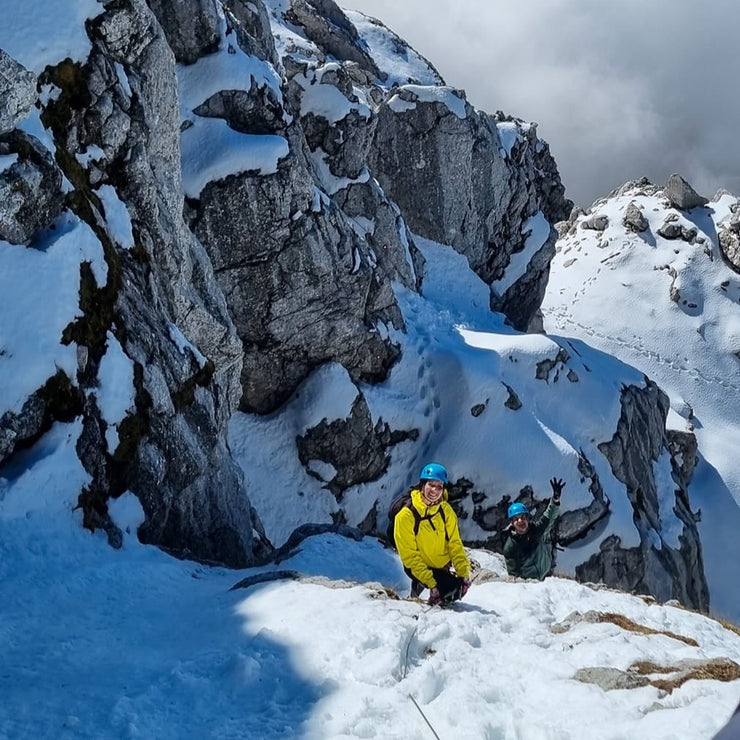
pixel 428 540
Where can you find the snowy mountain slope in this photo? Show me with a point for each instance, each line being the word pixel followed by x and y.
pixel 100 642
pixel 459 369
pixel 156 376
pixel 133 643
pixel 670 307
pixel 503 411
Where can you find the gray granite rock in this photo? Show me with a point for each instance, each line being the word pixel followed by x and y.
pixel 30 188
pixel 17 92
pixel 191 26
pixel 663 570
pixel 681 195
pixel 161 301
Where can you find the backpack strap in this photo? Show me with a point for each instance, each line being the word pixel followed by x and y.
pixel 418 519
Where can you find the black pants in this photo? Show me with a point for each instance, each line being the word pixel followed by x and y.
pixel 447 583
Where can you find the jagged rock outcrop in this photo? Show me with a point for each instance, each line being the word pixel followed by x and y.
pixel 334 446
pixel 477 196
pixel 729 238
pixel 159 305
pixel 681 195
pixel 306 254
pixel 17 92
pixel 298 281
pixel 324 23
pixel 30 188
pixel 666 569
pixel 655 466
pixel 577 523
pixel 252 26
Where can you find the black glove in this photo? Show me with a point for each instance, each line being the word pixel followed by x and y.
pixel 557 485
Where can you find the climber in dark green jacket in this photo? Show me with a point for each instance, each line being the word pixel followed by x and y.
pixel 527 548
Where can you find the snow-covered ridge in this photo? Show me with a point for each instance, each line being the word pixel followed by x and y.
pixel 446 96
pixel 305 247
pixel 395 58
pixel 665 300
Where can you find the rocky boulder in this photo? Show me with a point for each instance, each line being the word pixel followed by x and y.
pixel 634 220
pixel 681 195
pixel 729 238
pixel 30 187
pixel 17 92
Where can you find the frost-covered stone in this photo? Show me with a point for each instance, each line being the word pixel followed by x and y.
pixel 664 569
pixel 30 187
pixel 17 92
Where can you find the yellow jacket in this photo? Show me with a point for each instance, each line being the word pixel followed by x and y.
pixel 436 544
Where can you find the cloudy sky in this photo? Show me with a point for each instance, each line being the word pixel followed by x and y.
pixel 620 90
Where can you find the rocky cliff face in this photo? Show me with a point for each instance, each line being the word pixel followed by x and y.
pixel 277 163
pixel 667 562
pixel 115 125
pixel 665 569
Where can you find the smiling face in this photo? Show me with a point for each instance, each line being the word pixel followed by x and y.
pixel 520 523
pixel 432 491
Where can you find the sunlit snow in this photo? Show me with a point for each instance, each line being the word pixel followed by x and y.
pixel 107 643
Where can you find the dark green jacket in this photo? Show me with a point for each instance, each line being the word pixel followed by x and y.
pixel 531 555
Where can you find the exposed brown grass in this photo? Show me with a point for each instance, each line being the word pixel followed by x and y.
pixel 627 624
pixel 727 625
pixel 645 667
pixel 648 599
pixel 717 669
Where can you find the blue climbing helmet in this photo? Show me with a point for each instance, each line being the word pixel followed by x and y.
pixel 516 509
pixel 434 471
